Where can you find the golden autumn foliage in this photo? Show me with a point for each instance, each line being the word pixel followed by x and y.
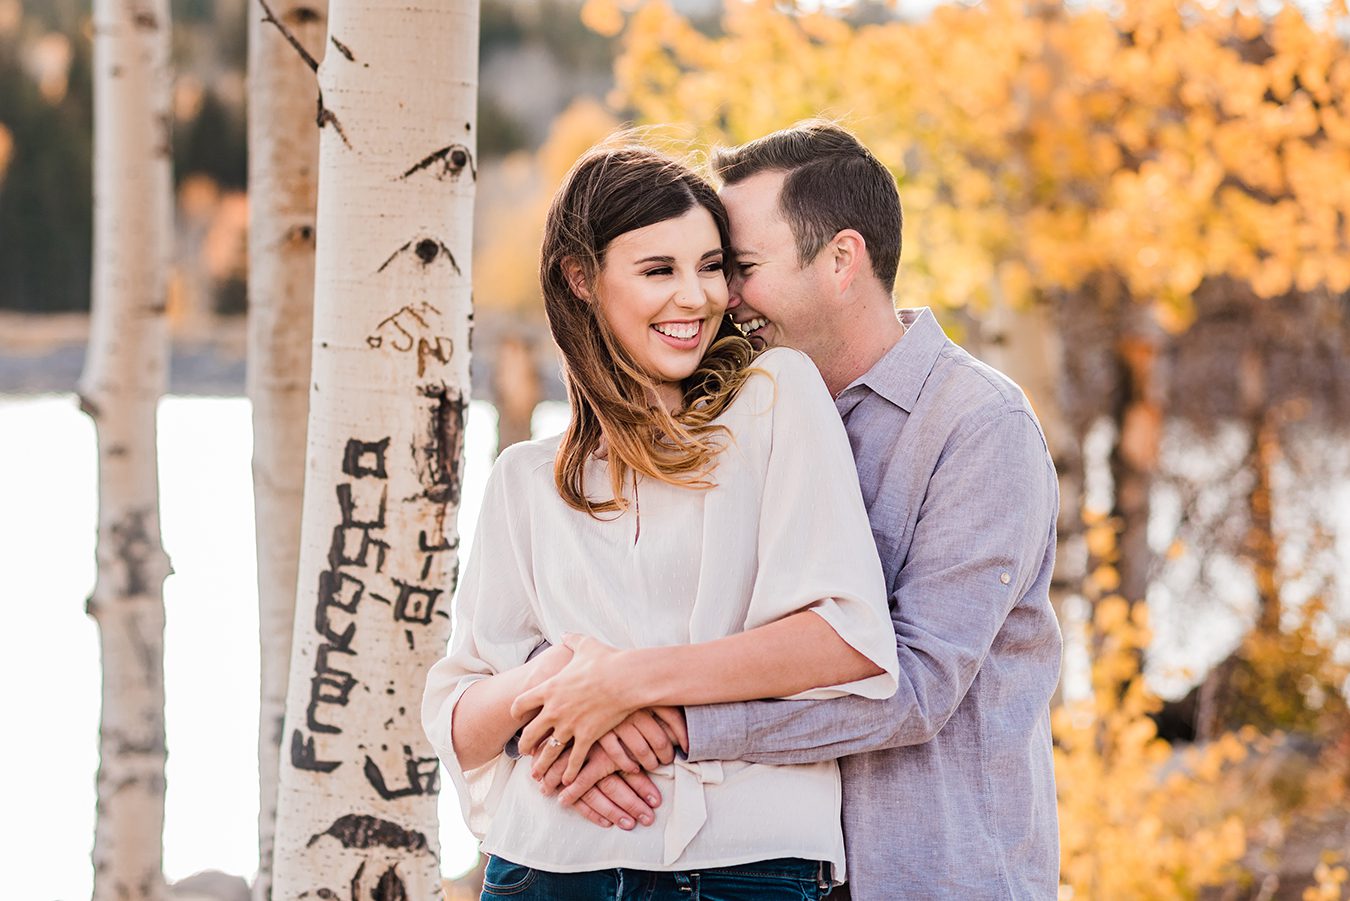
pixel 506 268
pixel 1038 144
pixel 1138 820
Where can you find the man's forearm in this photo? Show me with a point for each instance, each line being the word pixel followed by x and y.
pixel 792 732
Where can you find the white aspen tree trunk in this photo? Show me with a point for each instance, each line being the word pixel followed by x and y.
pixel 283 185
pixel 124 376
pixel 358 782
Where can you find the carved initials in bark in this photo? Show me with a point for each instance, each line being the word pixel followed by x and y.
pixel 423 775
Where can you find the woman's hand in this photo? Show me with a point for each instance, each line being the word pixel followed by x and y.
pixel 578 705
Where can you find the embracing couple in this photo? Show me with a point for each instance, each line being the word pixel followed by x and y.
pixel 773 612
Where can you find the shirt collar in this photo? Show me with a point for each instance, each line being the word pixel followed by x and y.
pixel 900 373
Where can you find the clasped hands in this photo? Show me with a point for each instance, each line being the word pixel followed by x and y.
pixel 592 738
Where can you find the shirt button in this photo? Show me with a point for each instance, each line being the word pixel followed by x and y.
pixel 1004 578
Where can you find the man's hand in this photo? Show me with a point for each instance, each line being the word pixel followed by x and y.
pixel 645 740
pixel 603 794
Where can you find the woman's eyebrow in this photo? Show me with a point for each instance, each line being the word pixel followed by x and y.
pixel 657 259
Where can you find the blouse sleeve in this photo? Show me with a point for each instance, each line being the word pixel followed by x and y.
pixel 495 628
pixel 815 546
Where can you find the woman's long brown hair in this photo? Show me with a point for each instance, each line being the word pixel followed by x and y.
pixel 610 191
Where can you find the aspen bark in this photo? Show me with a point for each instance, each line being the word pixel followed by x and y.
pixel 283 186
pixel 124 376
pixel 389 390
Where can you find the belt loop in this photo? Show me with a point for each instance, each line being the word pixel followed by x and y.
pixel 825 876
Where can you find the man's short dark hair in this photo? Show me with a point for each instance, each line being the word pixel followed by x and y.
pixel 832 183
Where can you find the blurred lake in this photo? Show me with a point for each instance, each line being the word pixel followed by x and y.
pixel 49 657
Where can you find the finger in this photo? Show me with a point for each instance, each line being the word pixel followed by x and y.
pixel 589 813
pixel 656 737
pixel 572 639
pixel 536 731
pixel 636 743
pixel 644 787
pixel 580 748
pixel 527 702
pixel 545 756
pixel 673 719
pixel 622 795
pixel 597 767
pixel 552 780
pixel 608 809
pixel 614 748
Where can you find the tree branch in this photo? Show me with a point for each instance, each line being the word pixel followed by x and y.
pixel 290 38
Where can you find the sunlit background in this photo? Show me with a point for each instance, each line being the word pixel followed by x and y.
pixel 1139 209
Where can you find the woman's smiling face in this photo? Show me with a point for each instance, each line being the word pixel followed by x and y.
pixel 662 290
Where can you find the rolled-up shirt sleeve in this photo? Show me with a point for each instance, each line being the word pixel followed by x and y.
pixel 980 540
pixel 495 629
pixel 814 546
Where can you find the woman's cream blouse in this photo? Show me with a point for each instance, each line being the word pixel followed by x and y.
pixel 783 530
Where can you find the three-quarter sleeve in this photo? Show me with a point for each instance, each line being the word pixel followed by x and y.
pixel 496 626
pixel 814 545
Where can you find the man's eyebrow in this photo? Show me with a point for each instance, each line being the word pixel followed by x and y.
pixel 742 252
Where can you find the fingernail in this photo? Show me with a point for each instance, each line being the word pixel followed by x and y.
pixel 626 823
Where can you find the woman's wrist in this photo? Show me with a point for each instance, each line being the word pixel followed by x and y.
pixel 639 673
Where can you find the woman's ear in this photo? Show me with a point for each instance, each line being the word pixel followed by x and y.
pixel 576 278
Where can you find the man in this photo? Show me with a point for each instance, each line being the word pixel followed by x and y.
pixel 948 786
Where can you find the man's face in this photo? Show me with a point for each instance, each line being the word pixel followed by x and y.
pixel 774 299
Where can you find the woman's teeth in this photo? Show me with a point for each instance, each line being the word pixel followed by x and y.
pixel 750 325
pixel 680 330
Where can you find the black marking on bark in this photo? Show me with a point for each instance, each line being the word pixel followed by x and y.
pixel 116 450
pixel 330 685
pixel 452 159
pixel 328 117
pixel 365 832
pixel 423 775
pixel 115 72
pixel 356 881
pixel 304 15
pixel 145 20
pixel 132 545
pixel 365 458
pixel 407 633
pixel 442 453
pixel 390 887
pixel 341 591
pixel 415 603
pixel 304 756
pixel 427 250
pixel 165 151
pixel 300 234
pixel 342 48
pixel 269 17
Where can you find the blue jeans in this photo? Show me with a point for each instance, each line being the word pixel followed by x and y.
pixel 785 879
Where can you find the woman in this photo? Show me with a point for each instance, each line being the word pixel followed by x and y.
pixel 701 520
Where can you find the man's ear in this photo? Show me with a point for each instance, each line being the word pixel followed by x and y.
pixel 848 254
pixel 576 278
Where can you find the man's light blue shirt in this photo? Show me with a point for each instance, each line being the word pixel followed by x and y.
pixel 948 786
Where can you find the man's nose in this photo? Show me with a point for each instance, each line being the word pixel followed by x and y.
pixel 733 292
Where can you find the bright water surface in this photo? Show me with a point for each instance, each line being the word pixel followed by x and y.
pixel 49 658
